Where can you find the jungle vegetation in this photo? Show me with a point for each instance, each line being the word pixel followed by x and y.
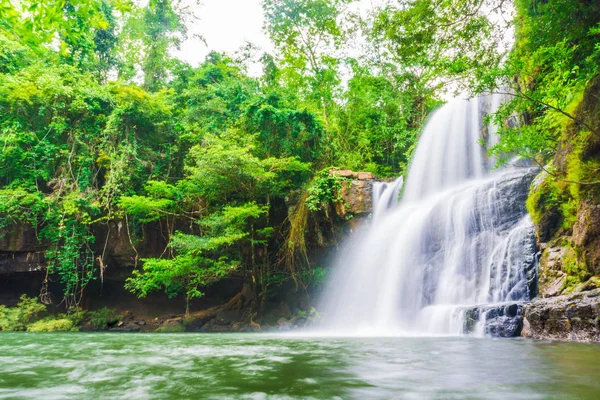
pixel 99 123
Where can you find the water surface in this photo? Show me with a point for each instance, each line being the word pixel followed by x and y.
pixel 261 366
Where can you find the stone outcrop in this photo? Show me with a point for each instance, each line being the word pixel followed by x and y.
pixel 20 250
pixel 586 235
pixel 503 320
pixel 573 317
pixel 357 196
pixel 567 226
pixel 21 262
pixel 357 192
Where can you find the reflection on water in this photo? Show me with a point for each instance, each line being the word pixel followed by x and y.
pixel 254 366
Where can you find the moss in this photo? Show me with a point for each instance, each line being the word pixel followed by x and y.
pixel 171 327
pixel 575 269
pixel 53 325
pixel 548 203
pixel 590 284
pixel 539 201
pixel 104 318
pixel 295 252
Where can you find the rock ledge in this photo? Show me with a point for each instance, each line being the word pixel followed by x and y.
pixel 573 317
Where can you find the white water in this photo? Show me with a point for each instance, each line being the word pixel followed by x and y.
pixel 454 241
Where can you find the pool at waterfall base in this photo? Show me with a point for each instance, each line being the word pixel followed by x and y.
pixel 278 366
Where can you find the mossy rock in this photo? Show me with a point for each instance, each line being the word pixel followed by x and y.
pixel 171 326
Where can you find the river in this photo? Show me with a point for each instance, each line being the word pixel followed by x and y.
pixel 265 366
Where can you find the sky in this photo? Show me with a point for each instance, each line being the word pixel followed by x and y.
pixel 226 25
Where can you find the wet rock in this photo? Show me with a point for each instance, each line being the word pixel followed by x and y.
pixel 300 322
pixel 587 227
pixel 586 234
pixel 502 320
pixel 574 317
pixel 555 285
pixel 196 323
pixel 284 324
pixel 227 317
pixel 127 328
pixel 20 250
pixel 217 327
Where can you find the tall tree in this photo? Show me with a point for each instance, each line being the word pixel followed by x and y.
pixel 307 35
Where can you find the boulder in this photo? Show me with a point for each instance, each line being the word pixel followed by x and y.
pixel 499 320
pixel 366 176
pixel 573 317
pixel 343 173
pixel 173 325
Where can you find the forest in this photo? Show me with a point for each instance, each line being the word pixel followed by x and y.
pixel 99 123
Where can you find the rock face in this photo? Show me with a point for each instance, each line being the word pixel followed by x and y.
pixel 21 262
pixel 567 226
pixel 20 250
pixel 504 320
pixel 358 198
pixel 357 194
pixel 574 317
pixel 586 234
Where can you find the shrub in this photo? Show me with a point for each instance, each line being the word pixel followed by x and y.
pixel 27 311
pixel 53 325
pixel 104 318
pixel 324 189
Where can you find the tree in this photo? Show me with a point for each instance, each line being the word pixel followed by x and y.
pixel 307 35
pixel 200 260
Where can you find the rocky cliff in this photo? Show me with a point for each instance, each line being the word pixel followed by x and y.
pixel 565 205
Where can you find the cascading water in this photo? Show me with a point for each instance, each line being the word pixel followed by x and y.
pixel 458 243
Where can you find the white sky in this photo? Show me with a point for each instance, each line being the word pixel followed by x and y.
pixel 226 25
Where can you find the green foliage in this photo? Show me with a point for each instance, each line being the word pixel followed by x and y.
pixel 307 34
pixel 98 124
pixel 324 189
pixel 104 318
pixel 18 318
pixel 576 271
pixel 195 265
pixel 553 66
pixel 53 325
pixel 315 276
pixel 311 315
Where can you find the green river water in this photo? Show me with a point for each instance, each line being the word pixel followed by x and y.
pixel 264 366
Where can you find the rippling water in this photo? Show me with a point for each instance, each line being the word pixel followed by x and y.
pixel 261 366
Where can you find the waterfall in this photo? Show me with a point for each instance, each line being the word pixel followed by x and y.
pixel 459 240
pixel 385 196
